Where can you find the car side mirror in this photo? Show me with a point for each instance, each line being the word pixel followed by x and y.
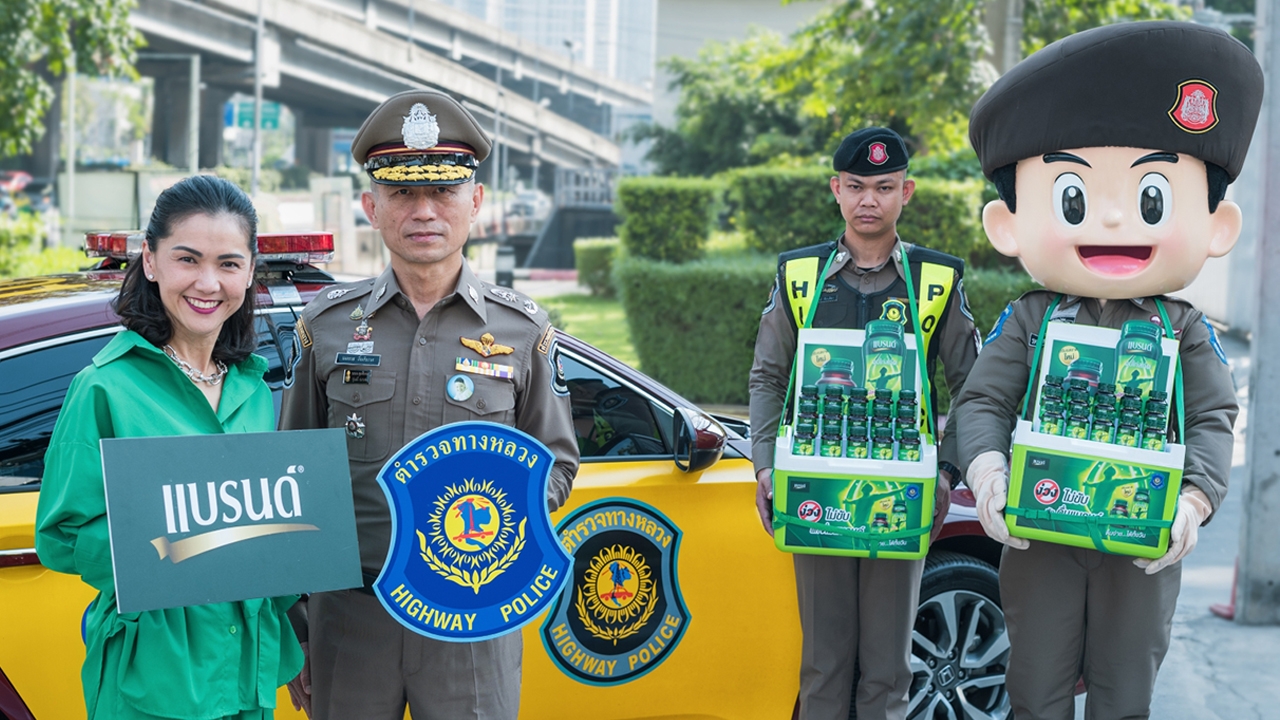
pixel 700 440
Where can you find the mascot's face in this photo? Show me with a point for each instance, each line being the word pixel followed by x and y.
pixel 1112 222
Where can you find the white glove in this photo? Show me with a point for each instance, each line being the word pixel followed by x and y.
pixel 988 477
pixel 1193 510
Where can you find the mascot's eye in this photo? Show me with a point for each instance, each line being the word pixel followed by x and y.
pixel 1069 198
pixel 1155 199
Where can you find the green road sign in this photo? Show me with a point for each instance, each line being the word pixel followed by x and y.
pixel 270 115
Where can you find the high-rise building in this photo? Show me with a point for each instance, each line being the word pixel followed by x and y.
pixel 613 37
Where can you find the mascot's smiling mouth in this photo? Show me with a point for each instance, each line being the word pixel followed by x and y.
pixel 1115 259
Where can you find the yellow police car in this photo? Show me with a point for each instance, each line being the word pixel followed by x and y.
pixel 679 605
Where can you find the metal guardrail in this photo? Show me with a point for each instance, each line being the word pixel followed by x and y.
pixel 585 188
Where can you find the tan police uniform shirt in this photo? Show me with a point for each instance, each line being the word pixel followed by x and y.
pixel 776 348
pixel 404 395
pixel 988 408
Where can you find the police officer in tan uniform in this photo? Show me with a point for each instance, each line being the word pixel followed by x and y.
pixel 1111 150
pixel 858 610
pixel 424 344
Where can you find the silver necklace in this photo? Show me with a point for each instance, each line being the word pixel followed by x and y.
pixel 195 375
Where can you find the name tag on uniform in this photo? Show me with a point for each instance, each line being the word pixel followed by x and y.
pixel 484 367
pixel 355 377
pixel 358 359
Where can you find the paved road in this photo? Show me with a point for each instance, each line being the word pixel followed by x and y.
pixel 1215 669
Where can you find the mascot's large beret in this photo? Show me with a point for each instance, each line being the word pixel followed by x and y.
pixel 1172 86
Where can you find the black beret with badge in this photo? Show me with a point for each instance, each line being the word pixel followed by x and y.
pixel 1170 86
pixel 870 151
pixel 420 137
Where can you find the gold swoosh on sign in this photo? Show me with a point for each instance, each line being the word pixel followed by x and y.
pixel 200 544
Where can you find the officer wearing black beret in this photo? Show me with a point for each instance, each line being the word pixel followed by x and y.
pixel 859 610
pixel 1111 150
pixel 391 358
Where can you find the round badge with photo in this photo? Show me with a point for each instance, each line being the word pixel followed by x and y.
pixel 460 387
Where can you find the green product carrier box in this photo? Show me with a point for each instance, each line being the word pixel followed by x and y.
pixel 1089 494
pixel 851 506
pixel 1111 498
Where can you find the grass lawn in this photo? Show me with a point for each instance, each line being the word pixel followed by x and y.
pixel 599 321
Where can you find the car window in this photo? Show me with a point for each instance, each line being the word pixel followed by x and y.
pixel 611 419
pixel 32 386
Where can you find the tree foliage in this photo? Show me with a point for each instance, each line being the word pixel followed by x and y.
pixel 1045 21
pixel 916 66
pixel 913 65
pixel 40 39
pixel 734 110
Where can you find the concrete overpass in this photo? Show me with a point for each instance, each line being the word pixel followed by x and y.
pixel 332 61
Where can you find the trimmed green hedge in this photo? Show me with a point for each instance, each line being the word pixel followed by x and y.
pixel 694 325
pixel 990 290
pixel 593 258
pixel 783 209
pixel 19 240
pixel 946 215
pixel 667 218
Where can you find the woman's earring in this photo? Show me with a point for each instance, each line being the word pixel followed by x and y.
pixel 150 276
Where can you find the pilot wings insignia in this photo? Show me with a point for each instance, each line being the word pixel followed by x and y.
pixel 486 346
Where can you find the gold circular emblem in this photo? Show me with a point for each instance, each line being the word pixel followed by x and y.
pixel 472 522
pixel 1068 355
pixel 819 357
pixel 616 596
pixel 472 534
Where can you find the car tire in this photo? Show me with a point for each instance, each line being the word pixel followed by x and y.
pixel 959 608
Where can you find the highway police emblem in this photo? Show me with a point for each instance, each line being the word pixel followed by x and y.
pixel 622 614
pixel 472 555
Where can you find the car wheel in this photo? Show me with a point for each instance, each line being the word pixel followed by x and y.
pixel 960 645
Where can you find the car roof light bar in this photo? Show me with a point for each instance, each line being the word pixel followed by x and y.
pixel 309 247
pixel 301 248
pixel 120 245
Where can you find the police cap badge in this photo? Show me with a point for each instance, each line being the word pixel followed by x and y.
pixel 472 554
pixel 1173 86
pixel 420 137
pixel 870 151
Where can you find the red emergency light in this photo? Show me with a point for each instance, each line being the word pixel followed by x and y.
pixel 119 245
pixel 310 247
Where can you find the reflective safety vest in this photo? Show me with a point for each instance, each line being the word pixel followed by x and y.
pixel 841 306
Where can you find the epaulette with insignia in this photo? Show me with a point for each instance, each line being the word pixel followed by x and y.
pixel 822 250
pixel 516 301
pixel 917 253
pixel 337 295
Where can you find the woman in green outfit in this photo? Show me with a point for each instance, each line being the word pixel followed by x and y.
pixel 183 366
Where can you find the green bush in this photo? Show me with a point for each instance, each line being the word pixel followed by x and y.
pixel 990 290
pixel 593 258
pixel 694 325
pixel 784 209
pixel 19 239
pixel 269 179
pixel 667 218
pixel 946 215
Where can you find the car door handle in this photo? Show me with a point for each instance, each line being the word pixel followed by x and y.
pixel 18 557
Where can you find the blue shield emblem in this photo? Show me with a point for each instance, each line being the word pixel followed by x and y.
pixel 622 615
pixel 472 554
